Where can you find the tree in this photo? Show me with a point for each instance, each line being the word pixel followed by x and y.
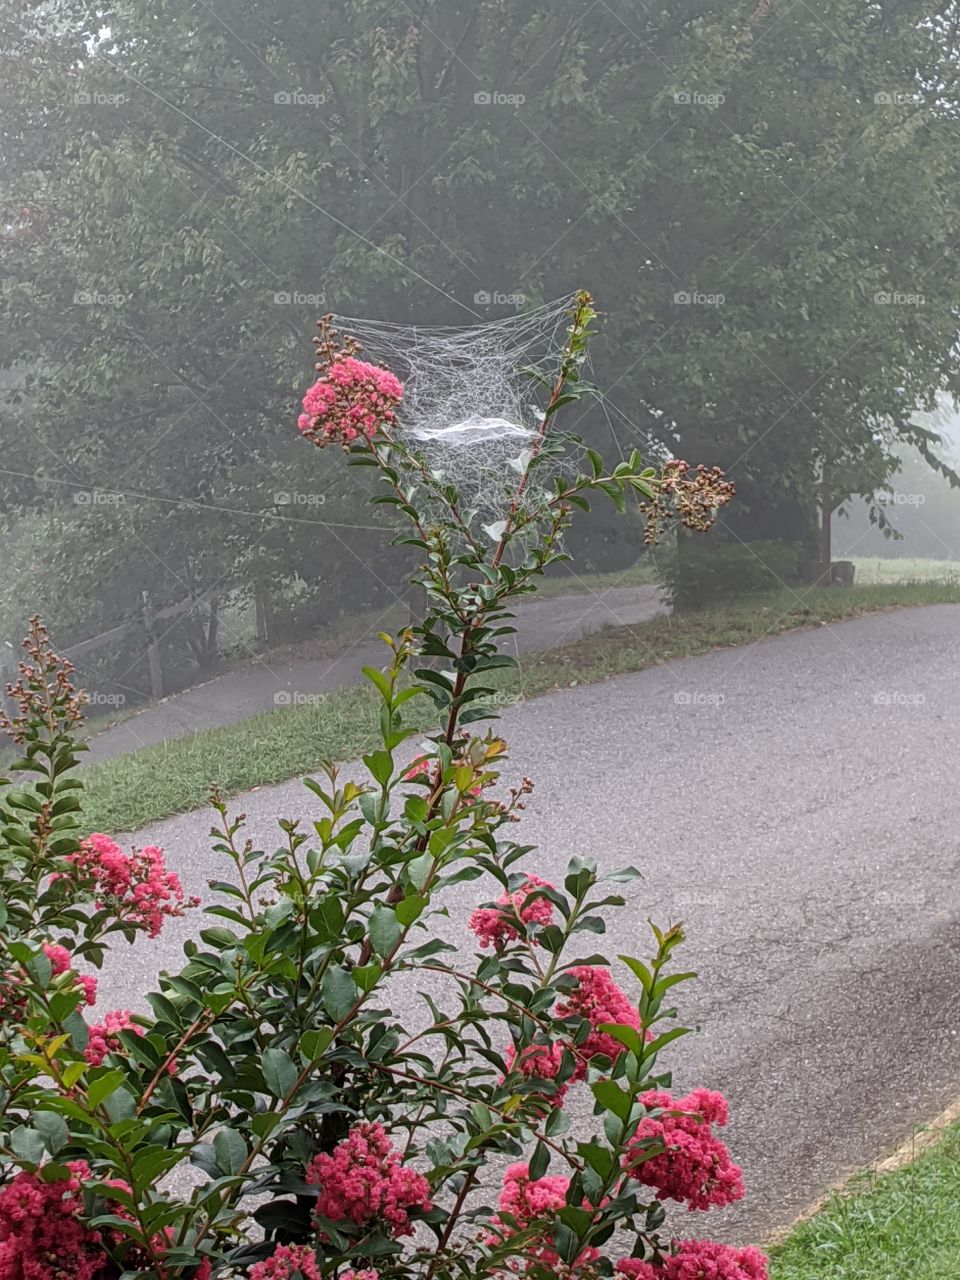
pixel 187 191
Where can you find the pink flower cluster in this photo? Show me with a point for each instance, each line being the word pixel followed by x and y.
pixel 41 1235
pixel 352 399
pixel 287 1262
pixel 695 1169
pixel 136 886
pixel 495 926
pixel 700 1260
pixel 598 999
pixel 539 1062
pixel 424 770
pixel 13 998
pixel 363 1179
pixel 60 958
pixel 526 1202
pixel 104 1037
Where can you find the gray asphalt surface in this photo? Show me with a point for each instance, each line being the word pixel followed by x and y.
pixel 795 803
pixel 276 680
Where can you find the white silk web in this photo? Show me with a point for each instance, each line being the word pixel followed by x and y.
pixel 469 409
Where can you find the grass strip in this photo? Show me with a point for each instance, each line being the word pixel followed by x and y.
pixel 884 1227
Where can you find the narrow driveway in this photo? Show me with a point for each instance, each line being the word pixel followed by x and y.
pixel 796 804
pixel 274 680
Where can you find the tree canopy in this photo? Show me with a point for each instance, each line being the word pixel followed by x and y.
pixel 762 198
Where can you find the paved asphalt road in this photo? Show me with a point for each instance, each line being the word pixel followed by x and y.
pixel 795 803
pixel 266 682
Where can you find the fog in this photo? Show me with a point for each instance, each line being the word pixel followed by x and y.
pixel 186 190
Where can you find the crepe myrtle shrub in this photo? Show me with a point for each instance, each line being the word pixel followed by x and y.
pixel 273 1115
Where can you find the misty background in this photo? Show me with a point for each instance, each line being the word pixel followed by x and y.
pixel 761 198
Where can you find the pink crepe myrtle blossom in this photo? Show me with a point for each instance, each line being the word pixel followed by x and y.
pixel 497 925
pixel 539 1062
pixel 136 886
pixel 352 400
pixel 136 1257
pixel 695 1169
pixel 699 1260
pixel 363 1180
pixel 425 770
pixel 526 1201
pixel 599 1000
pixel 289 1262
pixel 13 988
pixel 60 963
pixel 421 770
pixel 104 1038
pixel 41 1235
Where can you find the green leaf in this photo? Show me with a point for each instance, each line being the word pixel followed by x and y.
pixel 385 930
pixel 419 869
pixel 229 1146
pixel 379 679
pixel 640 970
pixel 279 1071
pixel 52 1128
pixel 612 1098
pixel 100 1089
pixel 28 1144
pixel 408 910
pixel 339 992
pixel 495 531
pixel 380 764
pixel 600 1159
pixel 627 1035
pixel 367 976
pixel 539 1161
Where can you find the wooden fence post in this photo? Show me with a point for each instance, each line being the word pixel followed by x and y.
pixel 153 649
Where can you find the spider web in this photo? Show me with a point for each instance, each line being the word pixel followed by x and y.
pixel 469 410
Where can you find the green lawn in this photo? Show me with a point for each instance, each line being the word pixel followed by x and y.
pixel 876 569
pixel 129 791
pixel 903 1225
pixel 570 584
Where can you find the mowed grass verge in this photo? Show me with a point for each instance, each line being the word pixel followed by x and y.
pixel 130 791
pixel 887 1227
